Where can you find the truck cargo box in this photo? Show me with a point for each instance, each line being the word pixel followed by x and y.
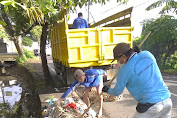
pixel 87 47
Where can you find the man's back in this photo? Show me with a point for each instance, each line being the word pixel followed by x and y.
pixel 79 23
pixel 145 82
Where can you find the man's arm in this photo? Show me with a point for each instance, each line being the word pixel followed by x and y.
pixel 86 24
pixel 122 80
pixel 74 24
pixel 71 89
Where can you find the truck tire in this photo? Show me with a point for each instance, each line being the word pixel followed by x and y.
pixel 58 68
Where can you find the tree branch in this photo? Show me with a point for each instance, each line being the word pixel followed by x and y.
pixel 28 30
pixel 5 19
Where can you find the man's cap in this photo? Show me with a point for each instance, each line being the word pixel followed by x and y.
pixel 78 73
pixel 120 49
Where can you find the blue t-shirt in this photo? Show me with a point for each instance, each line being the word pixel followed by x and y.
pixel 93 77
pixel 142 78
pixel 80 23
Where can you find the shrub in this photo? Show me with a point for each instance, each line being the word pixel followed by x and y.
pixel 28 54
pixel 6 111
pixel 172 62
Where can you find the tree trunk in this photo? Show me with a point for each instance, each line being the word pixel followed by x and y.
pixel 48 78
pixel 11 31
pixel 18 45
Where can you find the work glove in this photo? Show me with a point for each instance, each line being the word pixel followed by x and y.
pixel 105 89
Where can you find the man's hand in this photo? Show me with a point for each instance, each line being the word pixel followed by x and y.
pixel 105 74
pixel 60 101
pixel 105 89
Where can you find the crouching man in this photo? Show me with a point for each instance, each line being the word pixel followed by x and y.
pixel 89 78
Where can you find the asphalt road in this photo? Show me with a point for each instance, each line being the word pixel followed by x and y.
pixel 126 107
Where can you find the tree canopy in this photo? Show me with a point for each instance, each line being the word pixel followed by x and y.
pixel 27 41
pixel 163 40
pixel 36 33
pixel 3 34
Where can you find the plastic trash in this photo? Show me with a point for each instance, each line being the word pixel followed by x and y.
pixel 91 113
pixel 68 100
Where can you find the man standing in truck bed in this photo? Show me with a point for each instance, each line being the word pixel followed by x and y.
pixel 80 22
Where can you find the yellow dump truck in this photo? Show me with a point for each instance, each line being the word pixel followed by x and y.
pixel 86 48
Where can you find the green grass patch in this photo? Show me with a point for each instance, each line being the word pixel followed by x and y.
pixel 28 54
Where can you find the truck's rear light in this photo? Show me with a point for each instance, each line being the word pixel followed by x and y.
pixel 115 65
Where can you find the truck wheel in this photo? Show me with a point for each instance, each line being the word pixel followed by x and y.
pixel 67 75
pixel 58 68
pixel 64 74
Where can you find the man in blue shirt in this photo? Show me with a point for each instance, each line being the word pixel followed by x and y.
pixel 141 76
pixel 80 22
pixel 89 78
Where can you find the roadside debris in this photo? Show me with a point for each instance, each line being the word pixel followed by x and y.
pixel 10 94
pixel 71 107
pixel 106 97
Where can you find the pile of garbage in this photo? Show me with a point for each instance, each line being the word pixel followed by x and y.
pixel 106 97
pixel 10 94
pixel 71 107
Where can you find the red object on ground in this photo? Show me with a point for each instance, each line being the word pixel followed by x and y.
pixel 72 105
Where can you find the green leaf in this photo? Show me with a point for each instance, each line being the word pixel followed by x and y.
pixel 6 2
pixel 41 15
pixel 55 2
pixel 13 4
pixel 169 5
pixel 24 7
pixel 6 8
pixel 2 23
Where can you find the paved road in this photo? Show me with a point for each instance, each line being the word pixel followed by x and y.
pixel 171 82
pixel 126 107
